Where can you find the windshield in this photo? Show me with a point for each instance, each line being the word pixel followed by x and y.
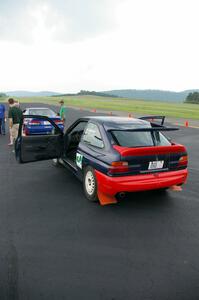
pixel 42 112
pixel 139 139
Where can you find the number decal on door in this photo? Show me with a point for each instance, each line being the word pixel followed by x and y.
pixel 79 159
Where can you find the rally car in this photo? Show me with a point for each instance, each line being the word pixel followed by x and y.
pixel 34 125
pixel 111 155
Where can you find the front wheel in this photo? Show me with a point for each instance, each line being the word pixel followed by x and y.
pixel 90 184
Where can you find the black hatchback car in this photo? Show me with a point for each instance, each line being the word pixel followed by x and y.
pixel 110 155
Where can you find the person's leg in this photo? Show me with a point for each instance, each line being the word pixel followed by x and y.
pixel 11 137
pixel 3 130
pixel 15 129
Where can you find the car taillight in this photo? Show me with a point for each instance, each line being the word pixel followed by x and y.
pixel 25 121
pixel 34 122
pixel 183 161
pixel 118 167
pixel 59 122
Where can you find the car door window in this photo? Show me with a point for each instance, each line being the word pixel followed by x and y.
pixel 76 133
pixel 92 136
pixel 79 127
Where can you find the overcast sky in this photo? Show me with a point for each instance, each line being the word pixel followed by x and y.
pixel 68 45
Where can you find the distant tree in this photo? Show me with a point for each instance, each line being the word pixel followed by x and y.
pixel 192 98
pixel 2 95
pixel 94 93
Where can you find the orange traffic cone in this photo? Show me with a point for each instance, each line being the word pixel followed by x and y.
pixel 176 188
pixel 186 124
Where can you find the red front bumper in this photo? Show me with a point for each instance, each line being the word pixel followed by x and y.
pixel 108 186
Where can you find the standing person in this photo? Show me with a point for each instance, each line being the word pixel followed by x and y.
pixel 14 116
pixel 16 103
pixel 62 111
pixel 2 119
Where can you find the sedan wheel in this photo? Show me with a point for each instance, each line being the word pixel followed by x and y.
pixel 90 184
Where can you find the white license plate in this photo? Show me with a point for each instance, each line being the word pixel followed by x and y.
pixel 153 165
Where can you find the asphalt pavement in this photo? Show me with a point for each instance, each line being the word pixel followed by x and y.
pixel 55 244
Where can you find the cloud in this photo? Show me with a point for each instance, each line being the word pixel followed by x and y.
pixel 63 20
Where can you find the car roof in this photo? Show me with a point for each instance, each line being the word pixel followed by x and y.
pixel 38 108
pixel 114 122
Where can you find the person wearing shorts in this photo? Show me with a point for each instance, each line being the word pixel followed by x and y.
pixel 14 116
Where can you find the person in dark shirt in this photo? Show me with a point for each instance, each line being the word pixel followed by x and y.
pixel 14 116
pixel 2 119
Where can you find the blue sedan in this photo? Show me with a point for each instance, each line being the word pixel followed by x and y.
pixel 36 126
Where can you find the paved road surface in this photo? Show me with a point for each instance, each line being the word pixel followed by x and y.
pixel 54 244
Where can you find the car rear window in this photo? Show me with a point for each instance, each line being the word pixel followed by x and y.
pixel 42 112
pixel 139 139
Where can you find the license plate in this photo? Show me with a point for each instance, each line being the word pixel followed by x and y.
pixel 153 165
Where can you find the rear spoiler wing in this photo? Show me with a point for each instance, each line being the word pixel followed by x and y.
pixel 151 119
pixel 150 129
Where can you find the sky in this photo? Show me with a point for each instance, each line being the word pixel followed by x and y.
pixel 70 45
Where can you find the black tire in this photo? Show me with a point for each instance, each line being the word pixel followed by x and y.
pixel 90 184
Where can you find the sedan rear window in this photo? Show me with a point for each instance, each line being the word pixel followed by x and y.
pixel 139 139
pixel 42 112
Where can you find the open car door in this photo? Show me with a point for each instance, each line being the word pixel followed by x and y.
pixel 38 144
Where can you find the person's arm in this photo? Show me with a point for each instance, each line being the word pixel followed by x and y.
pixel 4 112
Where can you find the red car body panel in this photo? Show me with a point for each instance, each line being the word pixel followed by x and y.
pixel 174 148
pixel 109 186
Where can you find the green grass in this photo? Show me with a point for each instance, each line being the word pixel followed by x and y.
pixel 179 110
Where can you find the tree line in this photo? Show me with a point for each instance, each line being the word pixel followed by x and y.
pixel 86 93
pixel 192 98
pixel 2 95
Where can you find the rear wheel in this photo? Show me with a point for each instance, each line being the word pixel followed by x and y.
pixel 90 184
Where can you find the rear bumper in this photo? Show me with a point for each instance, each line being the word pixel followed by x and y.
pixel 113 185
pixel 40 130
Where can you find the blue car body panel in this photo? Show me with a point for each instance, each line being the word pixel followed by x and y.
pixel 40 127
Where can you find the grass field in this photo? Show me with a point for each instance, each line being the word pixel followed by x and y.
pixel 181 110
